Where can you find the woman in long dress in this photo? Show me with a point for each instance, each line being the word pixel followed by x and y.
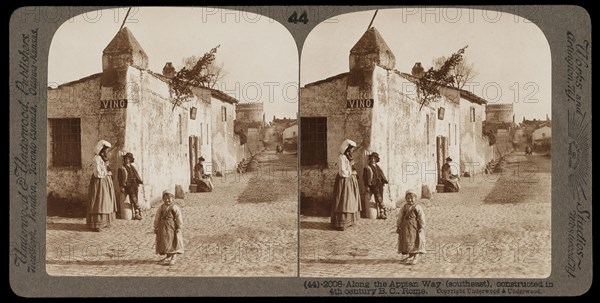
pixel 410 227
pixel 346 205
pixel 102 201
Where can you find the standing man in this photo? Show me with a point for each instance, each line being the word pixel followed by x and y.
pixel 375 180
pixel 129 181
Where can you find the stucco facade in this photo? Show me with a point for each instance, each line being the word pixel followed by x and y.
pixel 379 108
pixel 475 150
pixel 542 133
pixel 403 133
pixel 132 108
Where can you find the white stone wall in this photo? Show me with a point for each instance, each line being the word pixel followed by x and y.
pixel 225 144
pixel 473 154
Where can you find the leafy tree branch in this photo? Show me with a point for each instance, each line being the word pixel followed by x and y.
pixel 434 79
pixel 199 74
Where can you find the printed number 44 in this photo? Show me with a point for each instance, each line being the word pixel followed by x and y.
pixel 295 19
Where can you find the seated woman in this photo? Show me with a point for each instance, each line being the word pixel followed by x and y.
pixel 203 180
pixel 449 180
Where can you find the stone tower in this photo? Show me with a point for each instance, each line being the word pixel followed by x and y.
pixel 122 51
pixel 499 113
pixel 371 50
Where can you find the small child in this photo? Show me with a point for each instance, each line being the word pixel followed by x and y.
pixel 410 227
pixel 167 227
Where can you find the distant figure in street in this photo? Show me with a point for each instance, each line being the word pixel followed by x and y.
pixel 168 223
pixel 203 180
pixel 449 180
pixel 346 194
pixel 410 227
pixel 102 202
pixel 129 181
pixel 375 180
pixel 279 149
pixel 528 150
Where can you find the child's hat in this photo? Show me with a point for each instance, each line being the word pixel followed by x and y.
pixel 411 192
pixel 168 191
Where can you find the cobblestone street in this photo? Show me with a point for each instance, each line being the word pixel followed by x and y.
pixel 496 226
pixel 246 227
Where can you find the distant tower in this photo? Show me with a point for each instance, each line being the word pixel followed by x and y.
pixel 501 112
pixel 250 112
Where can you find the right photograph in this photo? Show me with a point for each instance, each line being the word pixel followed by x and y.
pixel 425 146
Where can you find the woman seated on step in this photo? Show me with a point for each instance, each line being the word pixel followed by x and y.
pixel 203 180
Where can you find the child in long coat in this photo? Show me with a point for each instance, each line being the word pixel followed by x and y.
pixel 410 227
pixel 168 223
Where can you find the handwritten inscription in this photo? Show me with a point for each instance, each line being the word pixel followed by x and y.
pixel 576 239
pixel 577 65
pixel 578 71
pixel 27 82
pixel 359 103
pixel 24 168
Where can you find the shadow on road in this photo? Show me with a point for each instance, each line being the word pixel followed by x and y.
pixel 521 180
pixel 274 181
pixel 67 226
pixel 315 225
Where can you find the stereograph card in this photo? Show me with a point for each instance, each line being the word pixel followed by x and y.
pixel 349 151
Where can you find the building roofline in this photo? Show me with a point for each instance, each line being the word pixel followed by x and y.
pixel 221 95
pixel 77 81
pixel 469 96
pixel 327 79
pixel 213 92
pixel 157 75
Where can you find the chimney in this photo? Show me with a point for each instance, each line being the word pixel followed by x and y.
pixel 418 70
pixel 169 70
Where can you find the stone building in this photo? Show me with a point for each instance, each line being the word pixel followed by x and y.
pixel 379 108
pixel 475 148
pixel 290 137
pixel 131 107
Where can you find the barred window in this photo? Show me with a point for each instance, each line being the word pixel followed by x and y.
pixel 65 141
pixel 313 141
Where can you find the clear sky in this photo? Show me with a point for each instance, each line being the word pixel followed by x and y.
pixel 510 54
pixel 259 54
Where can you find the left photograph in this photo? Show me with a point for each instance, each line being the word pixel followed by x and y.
pixel 172 144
